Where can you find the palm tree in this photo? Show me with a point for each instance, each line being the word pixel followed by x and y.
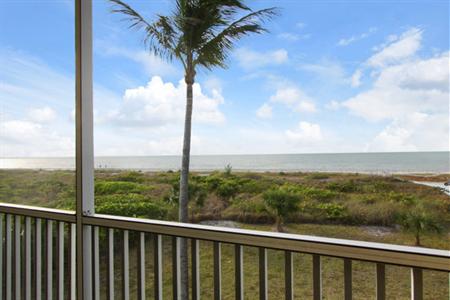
pixel 198 33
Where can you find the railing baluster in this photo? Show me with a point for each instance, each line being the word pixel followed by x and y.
pixel 157 267
pixel 126 267
pixel 317 277
pixel 262 273
pixel 1 256
pixel 73 261
pixel 111 263
pixel 289 275
pixel 49 256
pixel 28 258
pixel 141 266
pixel 38 260
pixel 96 257
pixel 416 284
pixel 239 271
pixel 217 271
pixel 347 279
pixel 9 274
pixel 176 267
pixel 17 257
pixel 195 249
pixel 60 262
pixel 381 281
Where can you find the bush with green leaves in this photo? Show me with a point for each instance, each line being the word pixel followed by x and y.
pixel 282 201
pixel 348 186
pixel 332 210
pixel 131 205
pixel 118 187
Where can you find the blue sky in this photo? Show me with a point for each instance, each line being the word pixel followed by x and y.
pixel 330 76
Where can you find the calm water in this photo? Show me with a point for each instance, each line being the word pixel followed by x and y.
pixel 412 162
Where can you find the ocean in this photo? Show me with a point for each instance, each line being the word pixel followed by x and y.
pixel 377 163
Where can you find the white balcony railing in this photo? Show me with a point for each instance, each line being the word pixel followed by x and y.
pixel 31 261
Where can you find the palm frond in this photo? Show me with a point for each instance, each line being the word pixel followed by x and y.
pixel 159 36
pixel 215 51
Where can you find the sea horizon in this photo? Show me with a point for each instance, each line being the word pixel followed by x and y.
pixel 359 162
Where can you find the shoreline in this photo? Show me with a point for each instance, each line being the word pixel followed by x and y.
pixel 423 175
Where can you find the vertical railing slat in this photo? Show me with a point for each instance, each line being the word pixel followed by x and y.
pixel 195 244
pixel 317 277
pixel 176 267
pixel 217 271
pixel 17 257
pixel 111 263
pixel 8 258
pixel 239 271
pixel 126 267
pixel 416 284
pixel 380 281
pixel 262 273
pixel 38 259
pixel 96 266
pixel 157 267
pixel 49 259
pixel 1 256
pixel 73 260
pixel 28 258
pixel 289 275
pixel 141 266
pixel 60 263
pixel 347 279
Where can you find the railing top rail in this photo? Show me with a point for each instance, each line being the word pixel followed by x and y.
pixel 369 251
pixel 38 212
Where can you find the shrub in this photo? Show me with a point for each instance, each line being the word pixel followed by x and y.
pixel 131 176
pixel 131 205
pixel 348 186
pixel 227 189
pixel 332 210
pixel 282 201
pixel 118 187
pixel 227 170
pixel 319 195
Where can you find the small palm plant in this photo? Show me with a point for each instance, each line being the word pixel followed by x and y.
pixel 198 33
pixel 418 222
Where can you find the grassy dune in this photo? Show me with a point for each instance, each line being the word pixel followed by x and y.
pixel 334 205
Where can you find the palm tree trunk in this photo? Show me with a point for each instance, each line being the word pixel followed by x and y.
pixel 417 239
pixel 184 184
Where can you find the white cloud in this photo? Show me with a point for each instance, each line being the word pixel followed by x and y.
pixel 327 70
pixel 356 78
pixel 264 111
pixel 293 37
pixel 26 138
pixel 414 132
pixel 333 105
pixel 152 64
pixel 162 103
pixel 300 25
pixel 293 98
pixel 397 49
pixel 42 115
pixel 411 94
pixel 288 36
pixel 354 38
pixel 250 59
pixel 305 132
